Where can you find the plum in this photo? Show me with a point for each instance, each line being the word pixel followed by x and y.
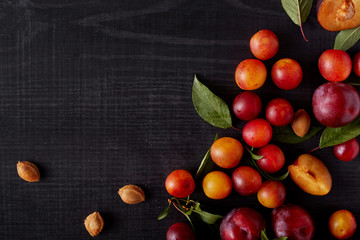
pixel 279 112
pixel 226 152
pixel 311 175
pixel 292 221
pixel 273 158
pixel 342 224
pixel 217 185
pixel 335 65
pixel 286 73
pixel 264 44
pixel 180 231
pixel 180 183
pixel 242 224
pixel 356 64
pixel 271 194
pixel 336 104
pixel 247 106
pixel 336 15
pixel 246 180
pixel 257 133
pixel 347 151
pixel 250 74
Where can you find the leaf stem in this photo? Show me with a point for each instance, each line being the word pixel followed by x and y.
pixel 300 24
pixel 314 150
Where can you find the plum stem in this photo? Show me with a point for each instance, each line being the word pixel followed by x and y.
pixel 239 129
pixel 182 212
pixel 175 205
pixel 300 24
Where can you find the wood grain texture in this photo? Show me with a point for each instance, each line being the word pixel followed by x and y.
pixel 97 93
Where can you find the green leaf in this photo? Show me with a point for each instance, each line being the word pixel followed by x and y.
pixel 209 218
pixel 254 156
pixel 164 213
pixel 297 9
pixel 263 235
pixel 285 134
pixel 189 212
pixel 197 206
pixel 345 39
pixel 207 163
pixel 266 175
pixel 210 107
pixel 334 136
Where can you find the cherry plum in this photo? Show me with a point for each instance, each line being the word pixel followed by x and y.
pixel 347 151
pixel 217 185
pixel 335 65
pixel 279 112
pixel 286 73
pixel 246 180
pixel 273 158
pixel 250 74
pixel 180 183
pixel 257 133
pixel 247 106
pixel 180 231
pixel 226 152
pixel 264 44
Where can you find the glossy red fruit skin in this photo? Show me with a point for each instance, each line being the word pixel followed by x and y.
pixel 336 104
pixel 273 158
pixel 257 133
pixel 180 231
pixel 356 64
pixel 247 106
pixel 279 112
pixel 335 65
pixel 246 180
pixel 180 183
pixel 292 221
pixel 264 44
pixel 286 74
pixel 242 224
pixel 347 151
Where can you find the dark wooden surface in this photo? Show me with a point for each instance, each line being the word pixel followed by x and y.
pixel 97 93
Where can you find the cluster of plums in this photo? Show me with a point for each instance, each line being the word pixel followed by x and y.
pixel 227 152
pixel 335 104
pixel 251 74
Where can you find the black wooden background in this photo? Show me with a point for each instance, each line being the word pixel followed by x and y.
pixel 97 93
